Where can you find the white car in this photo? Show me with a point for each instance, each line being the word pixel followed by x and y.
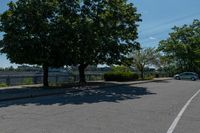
pixel 187 75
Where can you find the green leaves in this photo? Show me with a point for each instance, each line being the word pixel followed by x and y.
pixel 106 31
pixel 145 57
pixel 182 46
pixel 69 32
pixel 29 27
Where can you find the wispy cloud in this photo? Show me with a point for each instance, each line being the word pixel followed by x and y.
pixel 152 38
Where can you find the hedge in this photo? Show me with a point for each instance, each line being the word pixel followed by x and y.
pixel 120 76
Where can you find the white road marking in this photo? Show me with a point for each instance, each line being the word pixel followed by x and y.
pixel 175 122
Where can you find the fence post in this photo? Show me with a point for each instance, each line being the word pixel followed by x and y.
pixel 87 77
pixel 56 79
pixel 74 78
pixel 35 80
pixel 8 80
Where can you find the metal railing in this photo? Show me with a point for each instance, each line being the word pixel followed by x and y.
pixel 12 80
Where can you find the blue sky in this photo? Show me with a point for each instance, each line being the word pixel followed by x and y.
pixel 158 16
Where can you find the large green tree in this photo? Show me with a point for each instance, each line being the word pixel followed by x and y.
pixel 182 47
pixel 32 34
pixel 59 32
pixel 106 32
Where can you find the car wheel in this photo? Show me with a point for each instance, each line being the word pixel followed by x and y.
pixel 193 79
pixel 178 78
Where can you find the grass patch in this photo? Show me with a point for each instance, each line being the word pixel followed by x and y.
pixel 27 81
pixel 147 78
pixel 3 85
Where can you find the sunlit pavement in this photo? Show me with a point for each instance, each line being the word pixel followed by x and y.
pixel 142 108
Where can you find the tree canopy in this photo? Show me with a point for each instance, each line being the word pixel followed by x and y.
pixel 106 32
pixel 54 33
pixel 145 57
pixel 182 48
pixel 33 33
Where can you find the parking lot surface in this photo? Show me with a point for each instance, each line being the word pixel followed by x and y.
pixel 143 108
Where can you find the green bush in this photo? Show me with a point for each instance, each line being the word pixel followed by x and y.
pixel 120 69
pixel 120 76
pixel 3 85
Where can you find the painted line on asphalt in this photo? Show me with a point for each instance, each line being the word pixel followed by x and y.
pixel 175 122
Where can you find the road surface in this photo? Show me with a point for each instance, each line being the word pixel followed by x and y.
pixel 144 108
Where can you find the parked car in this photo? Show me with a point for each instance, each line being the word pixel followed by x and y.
pixel 187 75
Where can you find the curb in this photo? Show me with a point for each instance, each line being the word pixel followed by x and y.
pixel 63 91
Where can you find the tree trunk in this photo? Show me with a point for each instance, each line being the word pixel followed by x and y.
pixel 142 74
pixel 82 73
pixel 45 76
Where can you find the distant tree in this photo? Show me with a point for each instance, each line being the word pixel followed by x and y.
pixel 145 57
pixel 106 32
pixel 1 69
pixel 182 47
pixel 10 68
pixel 28 68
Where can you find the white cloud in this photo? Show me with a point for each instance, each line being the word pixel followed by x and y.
pixel 152 38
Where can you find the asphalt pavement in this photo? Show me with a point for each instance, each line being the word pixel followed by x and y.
pixel 142 108
pixel 37 90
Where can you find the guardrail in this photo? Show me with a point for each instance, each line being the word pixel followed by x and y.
pixel 12 80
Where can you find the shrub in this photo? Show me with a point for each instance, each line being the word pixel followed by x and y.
pixel 120 76
pixel 120 69
pixel 3 85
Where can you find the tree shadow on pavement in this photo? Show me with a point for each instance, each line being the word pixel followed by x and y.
pixel 89 96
